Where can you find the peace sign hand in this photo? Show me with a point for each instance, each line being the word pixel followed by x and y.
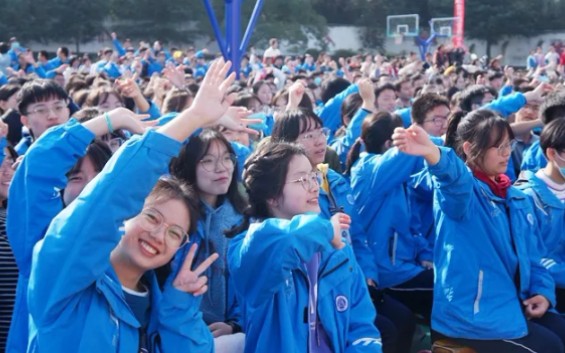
pixel 190 281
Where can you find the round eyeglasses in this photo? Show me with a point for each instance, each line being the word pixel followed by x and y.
pixel 152 220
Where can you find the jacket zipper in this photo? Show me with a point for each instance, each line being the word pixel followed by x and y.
pixel 476 307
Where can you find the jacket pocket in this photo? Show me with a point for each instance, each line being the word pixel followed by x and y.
pixel 476 305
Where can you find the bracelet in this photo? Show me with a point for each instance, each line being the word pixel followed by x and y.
pixel 109 123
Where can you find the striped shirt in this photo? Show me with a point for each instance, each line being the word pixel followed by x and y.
pixel 8 281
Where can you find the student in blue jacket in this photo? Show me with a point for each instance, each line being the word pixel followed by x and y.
pixel 54 171
pixel 491 292
pixel 208 164
pixel 336 196
pixel 42 104
pixel 299 285
pixel 547 189
pixel 553 107
pixel 93 286
pixel 379 179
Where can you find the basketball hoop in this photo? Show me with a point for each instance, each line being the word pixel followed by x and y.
pixel 398 38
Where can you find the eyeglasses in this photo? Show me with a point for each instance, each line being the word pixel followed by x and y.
pixel 437 120
pixel 308 181
pixel 115 143
pixel 152 220
pixel 210 164
pixel 316 134
pixel 43 111
pixel 506 147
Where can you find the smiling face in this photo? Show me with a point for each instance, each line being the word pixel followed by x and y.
pixel 314 142
pixel 143 250
pixel 214 172
pixel 300 192
pixel 42 115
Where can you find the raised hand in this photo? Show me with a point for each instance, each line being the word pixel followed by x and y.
pixel 128 88
pixel 123 118
pixel 367 93
pixel 295 94
pixel 191 281
pixel 415 141
pixel 210 104
pixel 340 221
pixel 174 74
pixel 234 119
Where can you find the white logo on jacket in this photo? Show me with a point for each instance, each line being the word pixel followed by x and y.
pixel 341 303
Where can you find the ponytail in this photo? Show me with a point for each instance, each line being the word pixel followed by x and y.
pixel 353 155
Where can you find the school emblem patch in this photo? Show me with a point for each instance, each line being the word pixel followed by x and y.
pixel 341 303
pixel 530 218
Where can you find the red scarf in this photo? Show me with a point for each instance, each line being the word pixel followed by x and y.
pixel 500 184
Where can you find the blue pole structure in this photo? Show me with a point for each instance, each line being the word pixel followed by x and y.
pixel 235 36
pixel 251 25
pixel 232 46
pixel 216 28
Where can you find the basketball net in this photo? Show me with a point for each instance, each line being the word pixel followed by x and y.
pixel 398 38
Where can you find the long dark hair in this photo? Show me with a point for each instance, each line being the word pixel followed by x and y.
pixel 264 177
pixel 184 166
pixel 376 130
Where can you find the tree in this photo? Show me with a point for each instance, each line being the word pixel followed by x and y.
pixel 76 20
pixel 492 20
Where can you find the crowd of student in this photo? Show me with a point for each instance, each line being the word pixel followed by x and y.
pixel 153 203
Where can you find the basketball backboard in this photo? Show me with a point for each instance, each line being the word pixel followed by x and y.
pixel 402 25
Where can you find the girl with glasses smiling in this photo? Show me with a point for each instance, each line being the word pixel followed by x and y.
pixel 491 291
pixel 93 286
pixel 207 163
pixel 298 283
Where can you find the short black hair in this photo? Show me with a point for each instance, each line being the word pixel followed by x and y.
pixel 472 95
pixel 553 136
pixel 65 51
pixel 425 103
pixel 553 107
pixel 381 88
pixel 39 91
pixel 331 88
pixel 8 91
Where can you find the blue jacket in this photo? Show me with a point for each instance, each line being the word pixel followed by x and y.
pixel 475 294
pixel 34 201
pixel 340 199
pixel 534 159
pixel 343 144
pixel 508 104
pixel 379 184
pixel 75 298
pixel 550 213
pixel 271 283
pixel 209 235
pixel 330 113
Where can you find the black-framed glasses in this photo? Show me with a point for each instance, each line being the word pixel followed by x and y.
pixel 210 164
pixel 152 220
pixel 308 181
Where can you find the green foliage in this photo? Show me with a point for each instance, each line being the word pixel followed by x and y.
pixel 292 20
